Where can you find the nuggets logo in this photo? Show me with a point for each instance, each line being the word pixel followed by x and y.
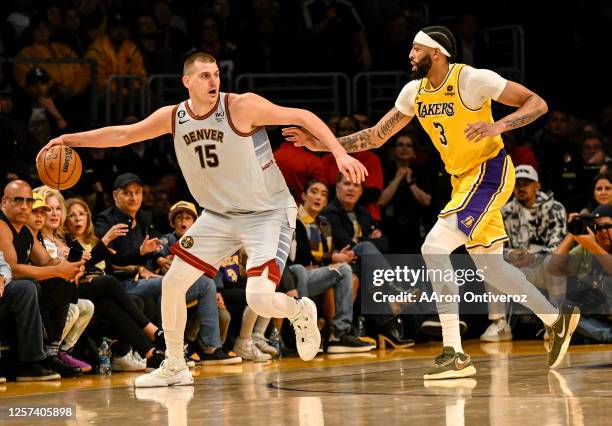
pixel 468 221
pixel 438 108
pixel 187 242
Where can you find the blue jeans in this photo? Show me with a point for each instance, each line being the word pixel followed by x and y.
pixel 20 299
pixel 203 290
pixel 312 282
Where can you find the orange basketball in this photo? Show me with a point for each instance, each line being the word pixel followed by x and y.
pixel 60 167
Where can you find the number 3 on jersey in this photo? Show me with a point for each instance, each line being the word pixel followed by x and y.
pixel 440 128
pixel 208 156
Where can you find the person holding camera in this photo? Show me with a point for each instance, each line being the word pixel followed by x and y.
pixel 535 223
pixel 589 262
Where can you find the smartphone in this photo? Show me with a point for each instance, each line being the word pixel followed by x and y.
pixel 75 254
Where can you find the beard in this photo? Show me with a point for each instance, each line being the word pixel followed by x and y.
pixel 422 67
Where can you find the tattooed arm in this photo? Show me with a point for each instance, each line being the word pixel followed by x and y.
pixel 530 107
pixel 373 137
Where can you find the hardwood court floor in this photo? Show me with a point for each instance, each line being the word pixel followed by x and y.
pixel 513 387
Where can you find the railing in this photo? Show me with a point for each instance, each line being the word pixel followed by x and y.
pixel 325 93
pixel 375 92
pixel 506 50
pixel 124 96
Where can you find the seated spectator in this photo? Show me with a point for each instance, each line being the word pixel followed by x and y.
pixel 594 157
pixel 73 33
pixel 319 267
pixel 298 167
pixel 585 257
pixel 45 220
pixel 352 226
pixel 337 36
pixel 137 335
pixel 212 41
pixel 41 111
pixel 115 53
pixel 405 198
pixel 182 215
pixel 19 299
pixel 374 181
pixel 158 58
pixel 68 79
pixel 602 192
pixel 28 259
pixel 139 246
pixel 535 223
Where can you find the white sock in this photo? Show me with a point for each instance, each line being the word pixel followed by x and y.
pixel 260 326
pixel 450 331
pixel 248 322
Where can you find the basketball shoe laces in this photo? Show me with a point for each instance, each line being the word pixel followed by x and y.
pixel 300 325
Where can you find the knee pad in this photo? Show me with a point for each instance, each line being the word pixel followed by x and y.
pixel 259 293
pixel 181 275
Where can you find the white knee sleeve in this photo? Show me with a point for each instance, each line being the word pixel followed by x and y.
pixel 259 294
pixel 444 237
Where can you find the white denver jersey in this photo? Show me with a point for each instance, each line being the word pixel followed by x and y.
pixel 227 171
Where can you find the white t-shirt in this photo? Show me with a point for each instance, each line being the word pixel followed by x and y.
pixel 475 85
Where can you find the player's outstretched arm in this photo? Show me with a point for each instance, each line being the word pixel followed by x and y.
pixel 530 107
pixel 372 137
pixel 157 124
pixel 255 111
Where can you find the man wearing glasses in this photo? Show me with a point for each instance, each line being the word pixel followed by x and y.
pixel 29 261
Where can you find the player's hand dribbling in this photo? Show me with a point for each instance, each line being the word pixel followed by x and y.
pixel 351 168
pixel 302 137
pixel 476 131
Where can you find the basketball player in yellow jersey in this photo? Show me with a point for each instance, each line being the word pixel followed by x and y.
pixel 453 104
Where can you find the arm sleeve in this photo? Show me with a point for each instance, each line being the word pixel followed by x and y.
pixel 479 85
pixel 405 100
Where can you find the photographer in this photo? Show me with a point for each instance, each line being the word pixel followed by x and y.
pixel 590 265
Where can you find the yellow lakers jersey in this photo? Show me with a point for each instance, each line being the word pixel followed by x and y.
pixel 444 117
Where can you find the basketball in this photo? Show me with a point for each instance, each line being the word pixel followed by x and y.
pixel 60 167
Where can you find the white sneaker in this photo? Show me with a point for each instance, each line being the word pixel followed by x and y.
pixel 129 362
pixel 263 345
pixel 246 349
pixel 168 374
pixel 307 336
pixel 497 331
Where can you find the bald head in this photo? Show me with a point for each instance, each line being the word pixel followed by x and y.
pixel 17 202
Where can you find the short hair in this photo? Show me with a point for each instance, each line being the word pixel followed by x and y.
pixel 444 36
pixel 340 177
pixel 197 56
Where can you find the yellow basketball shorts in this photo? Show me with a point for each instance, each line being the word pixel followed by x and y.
pixel 477 199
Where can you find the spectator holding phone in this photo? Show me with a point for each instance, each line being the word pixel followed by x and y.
pixel 49 208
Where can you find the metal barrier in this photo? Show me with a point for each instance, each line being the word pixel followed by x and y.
pixel 93 76
pixel 375 92
pixel 124 96
pixel 506 50
pixel 325 93
pixel 164 89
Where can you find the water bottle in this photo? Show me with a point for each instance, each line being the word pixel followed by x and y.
pixel 275 340
pixel 360 329
pixel 104 356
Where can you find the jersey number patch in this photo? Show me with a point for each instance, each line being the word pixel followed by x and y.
pixel 440 128
pixel 208 156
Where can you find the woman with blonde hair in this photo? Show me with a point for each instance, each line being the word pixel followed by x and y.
pixel 135 331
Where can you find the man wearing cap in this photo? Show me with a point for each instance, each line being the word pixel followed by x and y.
pixel 44 117
pixel 182 216
pixel 535 223
pixel 453 105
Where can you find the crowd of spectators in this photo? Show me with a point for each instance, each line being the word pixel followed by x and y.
pixel 131 203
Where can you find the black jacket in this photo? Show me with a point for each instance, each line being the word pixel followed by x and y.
pixel 127 248
pixel 342 226
pixel 99 253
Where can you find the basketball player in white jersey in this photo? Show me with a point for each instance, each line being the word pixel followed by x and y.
pixel 226 159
